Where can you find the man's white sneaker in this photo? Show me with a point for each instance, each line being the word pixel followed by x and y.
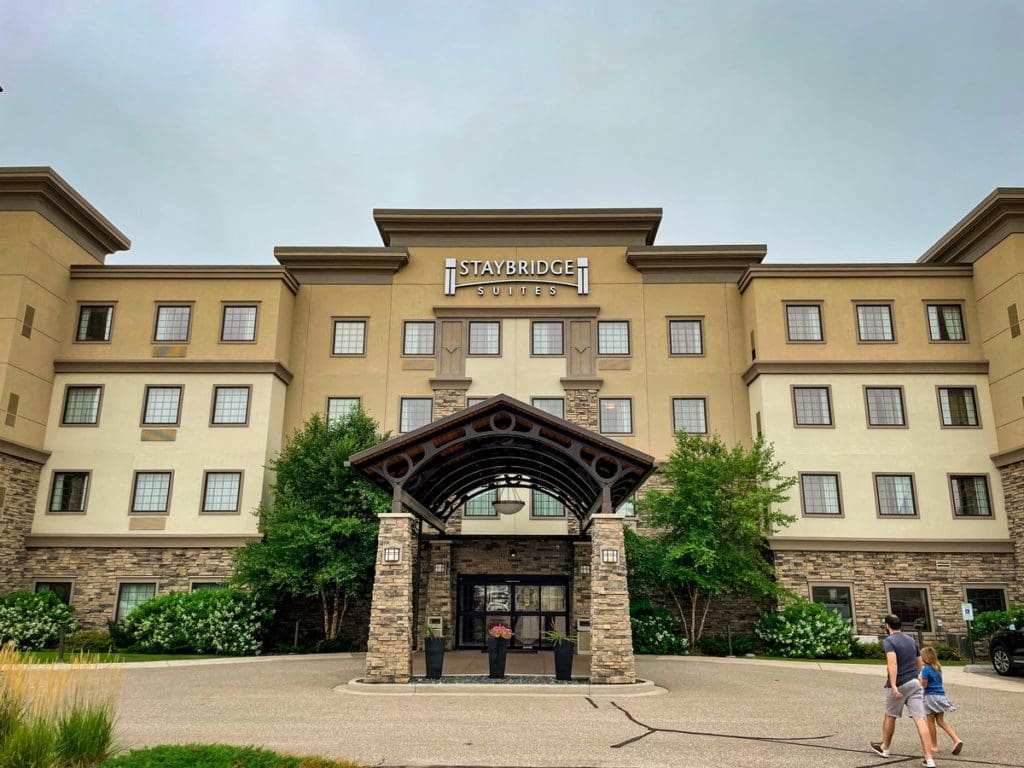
pixel 876 747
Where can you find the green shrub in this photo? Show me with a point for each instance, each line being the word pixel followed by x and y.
pixel 988 623
pixel 713 645
pixel 867 650
pixel 656 631
pixel 742 643
pixel 947 652
pixel 94 641
pixel 216 756
pixel 85 735
pixel 224 621
pixel 34 620
pixel 29 745
pixel 805 630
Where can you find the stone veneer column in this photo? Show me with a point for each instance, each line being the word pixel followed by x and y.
pixel 581 408
pixel 19 482
pixel 448 401
pixel 611 636
pixel 439 600
pixel 580 584
pixel 1013 500
pixel 389 649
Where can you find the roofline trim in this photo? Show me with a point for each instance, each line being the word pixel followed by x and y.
pixel 999 214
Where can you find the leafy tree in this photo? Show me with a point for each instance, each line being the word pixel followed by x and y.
pixel 709 527
pixel 320 532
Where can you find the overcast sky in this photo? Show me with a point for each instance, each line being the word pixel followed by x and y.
pixel 213 131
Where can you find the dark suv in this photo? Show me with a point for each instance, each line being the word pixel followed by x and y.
pixel 1006 648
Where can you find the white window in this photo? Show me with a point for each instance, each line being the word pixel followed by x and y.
pixel 547 338
pixel 416 412
pixel 81 405
pixel 338 408
pixel 484 337
pixel 885 406
pixel 874 322
pixel 152 492
pixel 481 505
pixel 131 596
pixel 690 414
pixel 812 406
pixel 543 505
pixel 820 494
pixel 613 337
pixel 958 407
pixel 94 321
pixel 475 400
pixel 553 405
pixel 221 491
pixel 685 337
pixel 172 323
pixel 803 322
pixel 946 322
pixel 163 406
pixel 419 338
pixel 895 495
pixel 230 405
pixel 349 337
pixel 616 415
pixel 970 496
pixel 239 324
pixel 69 491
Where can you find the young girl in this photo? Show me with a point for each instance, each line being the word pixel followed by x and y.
pixel 936 704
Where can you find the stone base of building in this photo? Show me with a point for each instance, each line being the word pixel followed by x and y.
pixel 19 482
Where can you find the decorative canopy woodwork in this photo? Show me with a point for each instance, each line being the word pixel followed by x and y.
pixel 503 442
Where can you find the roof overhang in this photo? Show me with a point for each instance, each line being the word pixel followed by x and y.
pixel 994 218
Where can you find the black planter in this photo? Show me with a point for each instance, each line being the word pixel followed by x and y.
pixel 497 648
pixel 434 652
pixel 564 652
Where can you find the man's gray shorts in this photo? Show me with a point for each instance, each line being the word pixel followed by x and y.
pixel 912 699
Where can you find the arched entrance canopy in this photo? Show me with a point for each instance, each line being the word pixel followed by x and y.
pixel 503 442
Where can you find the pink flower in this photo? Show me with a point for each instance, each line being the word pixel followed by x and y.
pixel 501 631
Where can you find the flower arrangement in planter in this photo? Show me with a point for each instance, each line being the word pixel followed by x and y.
pixel 497 648
pixel 565 649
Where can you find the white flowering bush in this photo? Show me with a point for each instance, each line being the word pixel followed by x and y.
pixel 805 630
pixel 656 631
pixel 223 621
pixel 34 620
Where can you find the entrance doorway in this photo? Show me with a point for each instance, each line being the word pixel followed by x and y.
pixel 530 605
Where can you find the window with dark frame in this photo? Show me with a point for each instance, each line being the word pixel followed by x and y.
pixel 685 337
pixel 81 405
pixel 131 596
pixel 485 337
pixel 211 586
pixel 616 415
pixel 836 598
pixel 885 407
pixel 481 505
pixel 349 338
pixel 222 491
pixel 238 323
pixel 163 406
pixel 895 494
pixel 613 337
pixel 416 412
pixel 230 406
pixel 172 322
pixel 470 401
pixel 970 496
pixel 69 491
pixel 911 604
pixel 151 492
pixel 958 406
pixel 946 322
pixel 985 599
pixel 62 589
pixel 339 408
pixel 553 405
pixel 820 494
pixel 545 505
pixel 94 321
pixel 874 322
pixel 812 406
pixel 546 338
pixel 690 415
pixel 418 338
pixel 803 322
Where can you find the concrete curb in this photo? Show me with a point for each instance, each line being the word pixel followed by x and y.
pixel 357 687
pixel 185 662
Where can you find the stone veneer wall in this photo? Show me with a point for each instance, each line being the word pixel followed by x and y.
pixel 448 401
pixel 581 408
pixel 944 573
pixel 436 590
pixel 95 572
pixel 580 584
pixel 611 633
pixel 1013 496
pixel 19 480
pixel 535 557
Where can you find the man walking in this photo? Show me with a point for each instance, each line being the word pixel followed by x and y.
pixel 902 688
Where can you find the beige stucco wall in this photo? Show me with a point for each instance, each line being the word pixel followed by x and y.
pixel 113 451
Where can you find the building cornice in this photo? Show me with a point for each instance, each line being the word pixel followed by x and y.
pixel 330 265
pixel 130 540
pixel 694 263
pixel 560 313
pixel 21 451
pixel 183 272
pixel 41 189
pixel 511 226
pixel 1006 458
pixel 863 367
pixel 787 544
pixel 836 271
pixel 994 218
pixel 174 366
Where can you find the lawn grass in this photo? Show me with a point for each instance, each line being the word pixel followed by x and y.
pixel 48 657
pixel 216 756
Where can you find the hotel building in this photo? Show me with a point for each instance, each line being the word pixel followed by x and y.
pixel 139 405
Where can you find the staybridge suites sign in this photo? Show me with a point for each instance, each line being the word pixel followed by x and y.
pixel 511 277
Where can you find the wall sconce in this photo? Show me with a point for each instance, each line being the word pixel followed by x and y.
pixel 392 554
pixel 512 554
pixel 609 555
pixel 440 567
pixel 584 569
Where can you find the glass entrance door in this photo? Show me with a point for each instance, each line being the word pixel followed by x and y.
pixel 530 606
